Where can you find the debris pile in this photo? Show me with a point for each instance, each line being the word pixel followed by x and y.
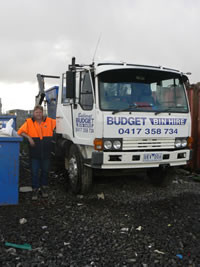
pixel 124 221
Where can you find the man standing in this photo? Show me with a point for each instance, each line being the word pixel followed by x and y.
pixel 39 132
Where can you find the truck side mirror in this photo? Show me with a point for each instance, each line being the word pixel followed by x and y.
pixel 70 84
pixel 185 78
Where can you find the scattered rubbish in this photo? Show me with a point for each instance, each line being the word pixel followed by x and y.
pixel 2 238
pixel 183 182
pixel 124 229
pixel 131 260
pixel 11 250
pixel 101 196
pixel 151 245
pixel 44 227
pixel 25 189
pixel 169 225
pixel 66 243
pixel 158 251
pixel 24 246
pixel 179 256
pixel 8 130
pixel 23 221
pixel 39 249
pixel 181 244
pixel 139 228
pixel 79 204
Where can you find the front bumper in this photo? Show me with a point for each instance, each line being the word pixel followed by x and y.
pixel 133 160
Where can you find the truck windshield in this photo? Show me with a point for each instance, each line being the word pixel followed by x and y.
pixel 142 90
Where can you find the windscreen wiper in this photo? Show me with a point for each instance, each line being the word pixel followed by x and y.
pixel 164 110
pixel 169 109
pixel 131 107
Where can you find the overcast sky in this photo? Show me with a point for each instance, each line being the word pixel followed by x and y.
pixel 41 36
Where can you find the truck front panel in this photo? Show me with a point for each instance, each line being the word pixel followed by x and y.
pixel 146 118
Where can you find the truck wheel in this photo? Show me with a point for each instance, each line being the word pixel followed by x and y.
pixel 80 176
pixel 160 176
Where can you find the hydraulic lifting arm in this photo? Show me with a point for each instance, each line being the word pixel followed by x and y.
pixel 40 97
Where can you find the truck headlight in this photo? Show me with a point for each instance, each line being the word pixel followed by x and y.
pixel 112 144
pixel 117 144
pixel 178 143
pixel 107 144
pixel 183 143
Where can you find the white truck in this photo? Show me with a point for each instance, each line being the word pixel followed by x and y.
pixel 120 116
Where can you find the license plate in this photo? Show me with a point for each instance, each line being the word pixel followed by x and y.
pixel 153 157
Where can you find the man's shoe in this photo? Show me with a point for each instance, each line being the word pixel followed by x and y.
pixel 44 191
pixel 35 194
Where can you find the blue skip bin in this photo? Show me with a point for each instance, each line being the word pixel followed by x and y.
pixel 9 170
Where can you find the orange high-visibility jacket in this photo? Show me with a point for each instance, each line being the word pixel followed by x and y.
pixel 41 134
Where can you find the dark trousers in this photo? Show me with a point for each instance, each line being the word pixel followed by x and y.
pixel 39 170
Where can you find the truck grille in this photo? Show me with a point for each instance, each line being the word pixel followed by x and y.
pixel 147 143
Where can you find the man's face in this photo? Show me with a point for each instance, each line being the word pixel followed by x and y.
pixel 38 114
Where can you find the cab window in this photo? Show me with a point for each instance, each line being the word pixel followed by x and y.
pixel 86 95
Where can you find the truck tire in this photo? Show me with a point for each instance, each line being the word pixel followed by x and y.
pixel 80 176
pixel 161 176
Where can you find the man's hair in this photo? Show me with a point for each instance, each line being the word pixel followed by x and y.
pixel 38 107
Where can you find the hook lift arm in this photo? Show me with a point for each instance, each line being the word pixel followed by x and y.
pixel 40 97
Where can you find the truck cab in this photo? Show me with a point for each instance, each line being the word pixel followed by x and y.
pixel 122 116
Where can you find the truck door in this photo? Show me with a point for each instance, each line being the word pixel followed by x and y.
pixel 83 112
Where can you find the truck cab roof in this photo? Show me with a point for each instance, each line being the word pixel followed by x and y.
pixel 106 66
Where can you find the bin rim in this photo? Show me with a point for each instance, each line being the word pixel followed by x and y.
pixel 8 116
pixel 11 139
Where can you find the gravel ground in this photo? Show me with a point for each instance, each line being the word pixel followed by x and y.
pixel 125 221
